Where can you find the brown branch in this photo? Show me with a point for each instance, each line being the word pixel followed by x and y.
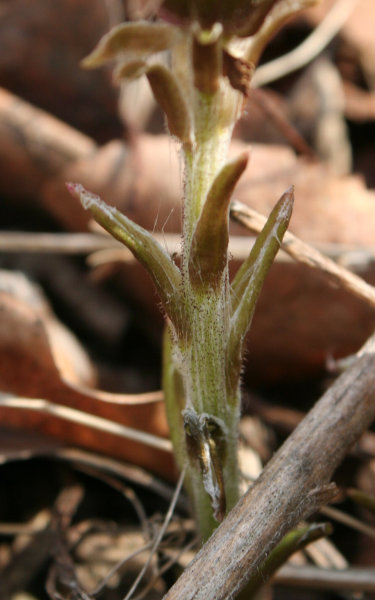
pixel 292 486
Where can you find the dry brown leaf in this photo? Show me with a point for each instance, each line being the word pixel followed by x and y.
pixel 29 368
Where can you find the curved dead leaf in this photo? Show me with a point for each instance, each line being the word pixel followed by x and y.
pixel 35 364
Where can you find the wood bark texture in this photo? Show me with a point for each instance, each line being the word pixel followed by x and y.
pixel 292 486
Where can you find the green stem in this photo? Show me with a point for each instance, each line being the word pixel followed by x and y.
pixel 199 366
pixel 203 162
pixel 211 410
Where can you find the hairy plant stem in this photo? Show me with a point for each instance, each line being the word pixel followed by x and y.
pixel 201 83
pixel 203 161
pixel 199 355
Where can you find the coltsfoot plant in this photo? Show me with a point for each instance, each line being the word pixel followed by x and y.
pixel 199 58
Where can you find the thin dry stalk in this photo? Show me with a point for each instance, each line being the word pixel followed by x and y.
pixel 159 536
pixel 348 520
pixel 88 420
pixel 349 580
pixel 102 248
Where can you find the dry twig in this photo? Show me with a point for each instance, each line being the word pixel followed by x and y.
pixel 348 520
pixel 348 580
pixel 88 420
pixel 293 485
pixel 160 534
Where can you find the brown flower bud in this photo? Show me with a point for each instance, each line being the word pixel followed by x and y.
pixel 207 58
pixel 238 17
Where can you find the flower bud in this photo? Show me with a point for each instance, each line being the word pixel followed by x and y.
pixel 207 58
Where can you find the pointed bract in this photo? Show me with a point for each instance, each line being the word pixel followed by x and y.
pixel 146 249
pixel 209 246
pixel 249 279
pixel 169 96
pixel 139 38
